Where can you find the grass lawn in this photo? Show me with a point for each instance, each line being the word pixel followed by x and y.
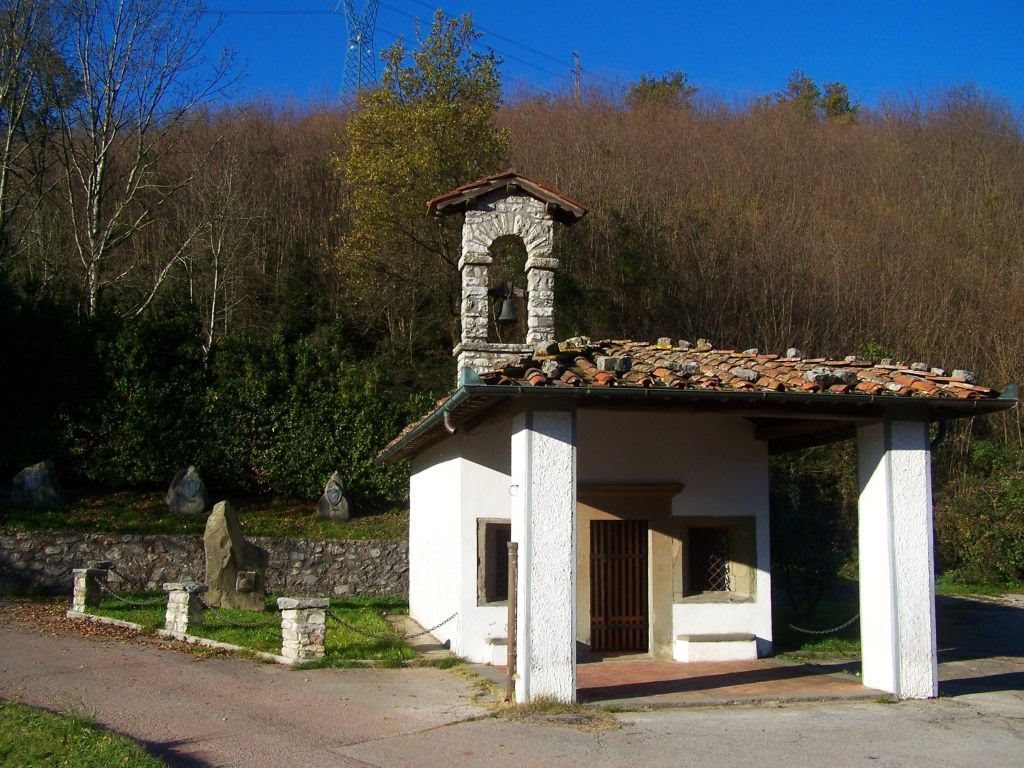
pixel 33 737
pixel 145 512
pixel 949 585
pixel 356 628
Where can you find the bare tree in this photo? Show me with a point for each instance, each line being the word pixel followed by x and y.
pixel 227 212
pixel 142 69
pixel 32 77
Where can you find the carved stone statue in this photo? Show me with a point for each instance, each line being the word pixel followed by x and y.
pixel 36 487
pixel 187 493
pixel 333 505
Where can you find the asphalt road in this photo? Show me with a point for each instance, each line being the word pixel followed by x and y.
pixel 223 711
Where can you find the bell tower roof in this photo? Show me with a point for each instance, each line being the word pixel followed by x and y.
pixel 559 206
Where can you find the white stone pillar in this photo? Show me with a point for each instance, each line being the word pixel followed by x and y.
pixel 303 627
pixel 897 578
pixel 544 524
pixel 87 588
pixel 184 605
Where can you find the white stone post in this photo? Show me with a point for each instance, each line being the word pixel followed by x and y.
pixel 897 578
pixel 184 605
pixel 86 590
pixel 544 524
pixel 303 627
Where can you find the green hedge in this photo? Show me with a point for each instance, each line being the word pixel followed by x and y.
pixel 138 400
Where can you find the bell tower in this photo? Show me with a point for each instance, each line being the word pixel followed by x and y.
pixel 500 206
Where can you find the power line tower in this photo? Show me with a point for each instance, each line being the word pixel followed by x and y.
pixel 577 76
pixel 360 65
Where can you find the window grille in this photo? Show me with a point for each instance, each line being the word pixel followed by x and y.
pixel 709 560
pixel 717 564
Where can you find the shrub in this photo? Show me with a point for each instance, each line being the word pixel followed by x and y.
pixel 979 516
pixel 138 425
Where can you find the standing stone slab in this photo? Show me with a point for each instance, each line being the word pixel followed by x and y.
pixel 187 494
pixel 333 505
pixel 36 487
pixel 236 570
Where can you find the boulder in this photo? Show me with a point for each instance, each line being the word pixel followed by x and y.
pixel 236 570
pixel 36 487
pixel 333 505
pixel 187 494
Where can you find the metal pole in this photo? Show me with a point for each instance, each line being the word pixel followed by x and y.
pixel 513 595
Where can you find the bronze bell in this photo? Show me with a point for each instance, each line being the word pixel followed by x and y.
pixel 508 311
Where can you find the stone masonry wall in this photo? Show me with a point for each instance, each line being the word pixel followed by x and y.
pixel 44 561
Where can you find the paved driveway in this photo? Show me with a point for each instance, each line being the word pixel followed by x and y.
pixel 223 711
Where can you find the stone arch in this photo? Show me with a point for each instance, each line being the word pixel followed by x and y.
pixel 521 216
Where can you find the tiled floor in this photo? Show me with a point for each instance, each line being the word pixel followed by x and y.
pixel 638 682
pixel 667 683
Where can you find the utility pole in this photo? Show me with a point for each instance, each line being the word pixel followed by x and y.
pixel 360 64
pixel 577 75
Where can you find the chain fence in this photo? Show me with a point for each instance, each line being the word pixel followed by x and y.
pixel 376 636
pixel 831 631
pixel 122 597
pixel 219 615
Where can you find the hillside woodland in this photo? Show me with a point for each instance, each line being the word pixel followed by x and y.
pixel 256 288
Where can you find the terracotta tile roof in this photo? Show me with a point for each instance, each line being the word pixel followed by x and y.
pixel 681 365
pixel 679 374
pixel 564 208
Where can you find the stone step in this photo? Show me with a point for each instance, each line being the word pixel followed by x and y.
pixel 499 650
pixel 729 646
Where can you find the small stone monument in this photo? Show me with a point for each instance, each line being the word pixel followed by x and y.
pixel 236 570
pixel 333 505
pixel 36 487
pixel 187 494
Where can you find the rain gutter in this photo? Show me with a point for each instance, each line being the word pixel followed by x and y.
pixel 443 417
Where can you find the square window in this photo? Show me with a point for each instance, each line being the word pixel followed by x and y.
pixel 719 558
pixel 492 541
pixel 709 569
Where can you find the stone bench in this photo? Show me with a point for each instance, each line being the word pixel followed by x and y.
pixel 499 651
pixel 734 646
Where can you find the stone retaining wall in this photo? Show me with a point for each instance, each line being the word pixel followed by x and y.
pixel 44 561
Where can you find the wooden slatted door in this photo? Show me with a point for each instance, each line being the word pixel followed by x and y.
pixel 618 585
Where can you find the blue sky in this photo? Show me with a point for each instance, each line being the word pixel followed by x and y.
pixel 732 49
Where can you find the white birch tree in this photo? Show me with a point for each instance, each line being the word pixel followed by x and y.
pixel 143 70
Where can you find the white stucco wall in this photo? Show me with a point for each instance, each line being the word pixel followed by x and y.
pixel 452 484
pixel 472 475
pixel 724 471
pixel 435 524
pixel 485 493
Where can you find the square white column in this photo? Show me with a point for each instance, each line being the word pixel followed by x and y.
pixel 544 524
pixel 897 577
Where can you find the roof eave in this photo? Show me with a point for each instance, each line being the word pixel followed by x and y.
pixel 562 208
pixel 841 406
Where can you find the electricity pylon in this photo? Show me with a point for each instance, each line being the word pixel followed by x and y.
pixel 360 65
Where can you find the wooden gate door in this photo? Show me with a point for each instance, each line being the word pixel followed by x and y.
pixel 618 585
